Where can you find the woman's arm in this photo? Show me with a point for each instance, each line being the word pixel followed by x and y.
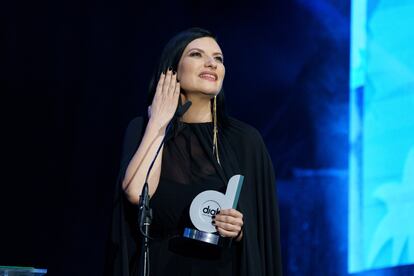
pixel 162 110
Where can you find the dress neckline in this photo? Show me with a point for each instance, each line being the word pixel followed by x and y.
pixel 197 123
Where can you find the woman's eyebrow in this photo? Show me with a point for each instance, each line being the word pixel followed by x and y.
pixel 198 49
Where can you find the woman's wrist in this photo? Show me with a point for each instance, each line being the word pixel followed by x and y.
pixel 156 125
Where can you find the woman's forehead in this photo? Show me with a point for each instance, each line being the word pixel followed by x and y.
pixel 204 43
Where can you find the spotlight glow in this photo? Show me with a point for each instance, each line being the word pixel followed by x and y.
pixel 381 159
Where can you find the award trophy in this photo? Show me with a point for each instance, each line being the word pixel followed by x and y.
pixel 208 203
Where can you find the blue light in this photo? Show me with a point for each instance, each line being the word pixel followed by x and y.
pixel 381 204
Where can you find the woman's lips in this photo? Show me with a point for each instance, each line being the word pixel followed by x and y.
pixel 208 76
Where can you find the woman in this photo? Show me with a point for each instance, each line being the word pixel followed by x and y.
pixel 202 150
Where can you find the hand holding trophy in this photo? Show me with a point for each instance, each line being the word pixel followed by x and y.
pixel 208 204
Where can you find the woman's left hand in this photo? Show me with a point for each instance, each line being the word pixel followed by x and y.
pixel 229 223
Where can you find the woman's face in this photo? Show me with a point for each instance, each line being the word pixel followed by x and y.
pixel 201 68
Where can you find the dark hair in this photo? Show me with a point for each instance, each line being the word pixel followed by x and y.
pixel 171 56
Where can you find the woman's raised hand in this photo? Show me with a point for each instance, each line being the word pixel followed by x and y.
pixel 165 99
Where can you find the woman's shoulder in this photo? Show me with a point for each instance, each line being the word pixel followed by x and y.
pixel 136 121
pixel 134 130
pixel 136 125
pixel 244 130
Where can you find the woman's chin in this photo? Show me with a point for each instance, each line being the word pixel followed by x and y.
pixel 211 94
pixel 207 93
pixel 210 89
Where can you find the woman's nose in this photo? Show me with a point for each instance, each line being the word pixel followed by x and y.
pixel 211 62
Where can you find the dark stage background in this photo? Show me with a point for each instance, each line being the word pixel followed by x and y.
pixel 75 72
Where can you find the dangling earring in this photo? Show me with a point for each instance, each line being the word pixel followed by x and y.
pixel 215 130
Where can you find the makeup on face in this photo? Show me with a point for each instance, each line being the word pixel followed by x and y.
pixel 201 67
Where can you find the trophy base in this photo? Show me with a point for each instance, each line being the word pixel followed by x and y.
pixel 210 238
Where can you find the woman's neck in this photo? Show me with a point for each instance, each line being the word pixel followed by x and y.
pixel 199 111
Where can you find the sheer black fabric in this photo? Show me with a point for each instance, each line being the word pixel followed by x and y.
pixel 188 168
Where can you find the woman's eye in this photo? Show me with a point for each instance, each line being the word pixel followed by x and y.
pixel 195 54
pixel 219 59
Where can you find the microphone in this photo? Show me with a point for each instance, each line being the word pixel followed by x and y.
pixel 144 210
pixel 144 220
pixel 143 205
pixel 182 109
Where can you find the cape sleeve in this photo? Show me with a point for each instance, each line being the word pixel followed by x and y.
pixel 123 239
pixel 260 252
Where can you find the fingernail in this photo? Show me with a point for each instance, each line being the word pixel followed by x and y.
pixel 213 222
pixel 213 216
pixel 218 212
pixel 174 72
pixel 169 68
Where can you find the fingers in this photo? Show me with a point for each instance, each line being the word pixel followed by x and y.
pixel 167 82
pixel 173 84
pixel 160 82
pixel 165 100
pixel 231 212
pixel 177 89
pixel 234 228
pixel 225 233
pixel 228 222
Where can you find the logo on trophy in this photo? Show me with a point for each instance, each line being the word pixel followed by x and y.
pixel 206 204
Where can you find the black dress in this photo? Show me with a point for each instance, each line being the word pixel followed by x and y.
pixel 188 168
